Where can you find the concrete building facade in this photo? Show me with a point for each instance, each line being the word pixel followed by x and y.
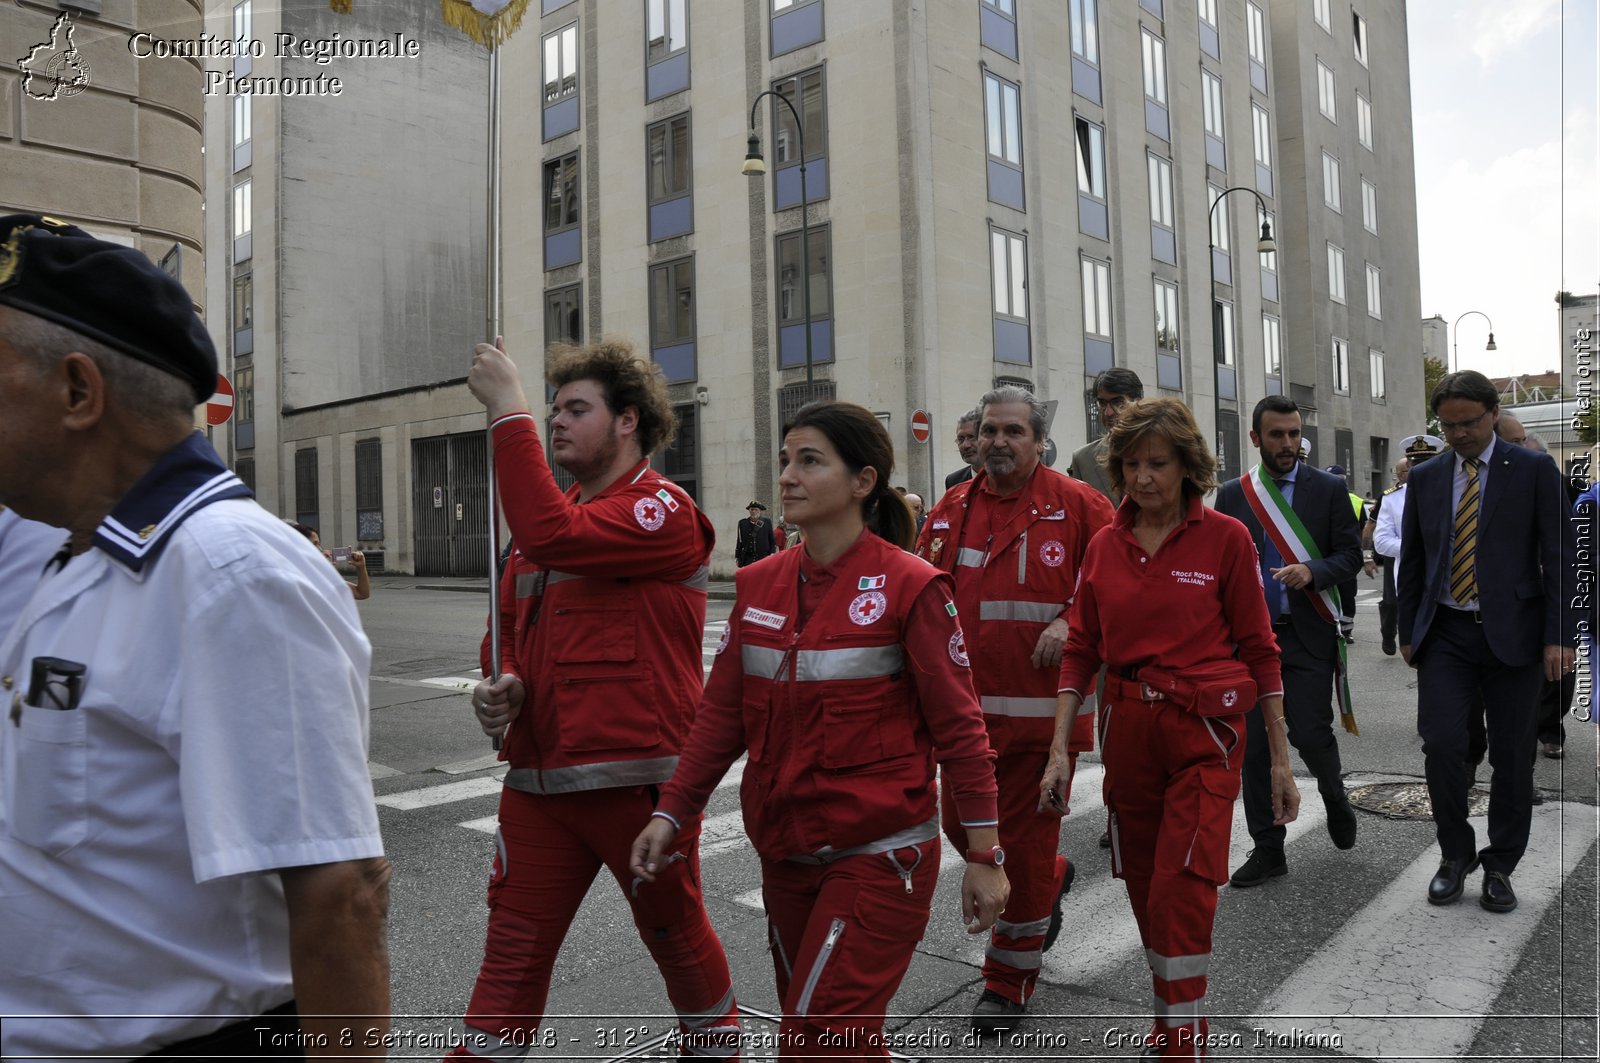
pixel 998 190
pixel 95 135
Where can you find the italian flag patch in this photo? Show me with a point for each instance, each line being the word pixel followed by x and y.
pixel 950 607
pixel 872 583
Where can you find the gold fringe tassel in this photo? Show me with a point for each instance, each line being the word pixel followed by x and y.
pixel 489 32
pixel 340 6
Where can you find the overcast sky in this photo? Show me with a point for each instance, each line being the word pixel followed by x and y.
pixel 1503 220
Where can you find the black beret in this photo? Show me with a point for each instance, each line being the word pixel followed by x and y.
pixel 107 292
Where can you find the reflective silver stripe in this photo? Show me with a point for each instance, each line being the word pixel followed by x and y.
pixel 486 1045
pixel 1027 960
pixel 922 832
pixel 812 666
pixel 777 946
pixel 698 582
pixel 527 584
pixel 1172 968
pixel 552 576
pixel 600 776
pixel 1032 708
pixel 803 1005
pixel 1022 561
pixel 1178 1014
pixel 1022 930
pixel 1033 612
pixel 1086 707
pixel 969 557
pixel 1116 840
pixel 695 1020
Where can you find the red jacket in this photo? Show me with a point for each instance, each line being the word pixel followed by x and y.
pixel 844 707
pixel 1195 600
pixel 1010 586
pixel 603 613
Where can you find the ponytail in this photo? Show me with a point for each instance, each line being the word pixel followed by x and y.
pixel 889 517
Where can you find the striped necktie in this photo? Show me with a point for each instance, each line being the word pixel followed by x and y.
pixel 1463 579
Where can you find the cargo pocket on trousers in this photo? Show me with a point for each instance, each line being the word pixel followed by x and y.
pixel 1208 849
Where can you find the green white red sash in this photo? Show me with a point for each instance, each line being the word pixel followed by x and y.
pixel 1295 546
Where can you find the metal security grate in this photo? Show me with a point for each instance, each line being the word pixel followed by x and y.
pixel 369 490
pixel 305 487
pixel 791 397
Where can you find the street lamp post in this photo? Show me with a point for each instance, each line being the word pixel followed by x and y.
pixel 755 166
pixel 1263 246
pixel 1455 332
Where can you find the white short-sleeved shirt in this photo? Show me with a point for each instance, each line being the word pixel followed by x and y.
pixel 221 734
pixel 25 545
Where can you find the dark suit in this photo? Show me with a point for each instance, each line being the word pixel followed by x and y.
pixel 1525 545
pixel 1308 645
pixel 960 476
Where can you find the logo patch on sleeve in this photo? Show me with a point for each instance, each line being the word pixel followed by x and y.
pixel 868 607
pixel 872 583
pixel 958 649
pixel 666 497
pixel 950 607
pixel 722 643
pixel 1052 553
pixel 650 514
pixel 941 525
pixel 761 617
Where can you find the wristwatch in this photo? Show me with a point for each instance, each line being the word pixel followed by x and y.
pixel 991 857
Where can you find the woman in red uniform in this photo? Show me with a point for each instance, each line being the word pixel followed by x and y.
pixel 844 676
pixel 1170 601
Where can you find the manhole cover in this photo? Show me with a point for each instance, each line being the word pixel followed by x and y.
pixel 1409 800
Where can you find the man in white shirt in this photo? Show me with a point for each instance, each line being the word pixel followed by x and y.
pixel 25 545
pixel 189 848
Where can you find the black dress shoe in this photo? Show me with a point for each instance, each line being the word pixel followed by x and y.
pixel 1498 896
pixel 1264 863
pixel 1388 645
pixel 1446 885
pixel 1342 823
pixel 1105 839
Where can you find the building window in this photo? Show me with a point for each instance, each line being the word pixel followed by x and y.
pixel 1325 93
pixel 1319 10
pixel 244 394
pixel 1374 291
pixel 1155 67
pixel 1084 15
pixel 1262 125
pixel 563 316
pixel 1369 206
pixel 1096 298
pixel 244 312
pixel 1272 345
pixel 305 488
pixel 1208 12
pixel 1160 190
pixel 245 469
pixel 1211 92
pixel 1256 33
pixel 563 244
pixel 1330 183
pixel 1219 218
pixel 1002 121
pixel 1008 269
pixel 672 333
pixel 1091 159
pixel 680 460
pixel 1364 121
pixel 1375 374
pixel 806 92
pixel 241 221
pixel 241 132
pixel 791 298
pixel 669 171
pixel 1341 366
pixel 666 28
pixel 369 490
pixel 997 26
pixel 1005 7
pixel 561 112
pixel 241 22
pixel 1360 38
pixel 1223 330
pixel 1336 273
pixel 1167 338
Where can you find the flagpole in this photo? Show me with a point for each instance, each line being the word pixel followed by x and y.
pixel 492 316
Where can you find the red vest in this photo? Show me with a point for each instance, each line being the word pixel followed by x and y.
pixel 839 754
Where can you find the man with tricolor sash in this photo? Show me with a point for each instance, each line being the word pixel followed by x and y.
pixel 1309 542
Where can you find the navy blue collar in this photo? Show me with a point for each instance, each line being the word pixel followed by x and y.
pixel 183 481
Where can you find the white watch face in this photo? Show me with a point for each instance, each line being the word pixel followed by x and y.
pixel 999 856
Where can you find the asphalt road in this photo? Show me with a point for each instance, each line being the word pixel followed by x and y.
pixel 1341 958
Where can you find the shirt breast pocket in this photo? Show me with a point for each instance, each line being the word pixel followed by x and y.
pixel 49 791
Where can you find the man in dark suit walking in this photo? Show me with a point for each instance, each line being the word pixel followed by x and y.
pixel 1489 630
pixel 1297 570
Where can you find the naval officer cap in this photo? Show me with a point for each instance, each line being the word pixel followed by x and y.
pixel 107 292
pixel 1421 446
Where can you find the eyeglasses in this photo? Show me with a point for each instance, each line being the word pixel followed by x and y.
pixel 1116 402
pixel 1454 426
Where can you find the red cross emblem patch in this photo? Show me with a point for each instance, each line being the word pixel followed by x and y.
pixel 958 649
pixel 649 513
pixel 1052 553
pixel 868 607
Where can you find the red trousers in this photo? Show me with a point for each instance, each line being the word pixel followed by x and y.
pixel 1035 869
pixel 1170 783
pixel 550 847
pixel 842 937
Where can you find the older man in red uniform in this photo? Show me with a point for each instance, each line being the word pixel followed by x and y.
pixel 1013 537
pixel 601 664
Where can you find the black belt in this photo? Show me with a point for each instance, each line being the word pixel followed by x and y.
pixel 1475 614
pixel 273 1034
